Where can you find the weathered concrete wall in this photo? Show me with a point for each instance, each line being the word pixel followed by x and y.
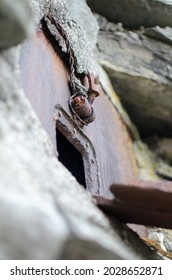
pixel 45 213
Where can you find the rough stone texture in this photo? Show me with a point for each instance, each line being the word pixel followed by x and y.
pixel 162 147
pixel 163 237
pixel 161 151
pixel 82 14
pixel 82 49
pixel 15 19
pixel 45 213
pixel 141 73
pixel 114 99
pixel 145 160
pixel 162 34
pixel 151 165
pixel 135 13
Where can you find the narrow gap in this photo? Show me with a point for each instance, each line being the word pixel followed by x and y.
pixel 70 157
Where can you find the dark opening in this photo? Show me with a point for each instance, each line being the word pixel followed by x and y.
pixel 70 157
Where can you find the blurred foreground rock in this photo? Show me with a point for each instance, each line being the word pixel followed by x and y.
pixel 14 20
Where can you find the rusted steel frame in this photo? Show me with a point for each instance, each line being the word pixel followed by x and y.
pixel 45 81
pixel 134 214
pixel 144 203
pixel 157 195
pixel 82 143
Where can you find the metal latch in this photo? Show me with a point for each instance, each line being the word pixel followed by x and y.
pixel 80 105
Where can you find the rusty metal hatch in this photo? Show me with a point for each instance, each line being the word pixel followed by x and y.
pixel 108 157
pixel 105 145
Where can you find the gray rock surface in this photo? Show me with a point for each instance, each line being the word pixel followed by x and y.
pixel 82 14
pixel 162 147
pixel 163 237
pixel 162 34
pixel 135 13
pixel 15 22
pixel 152 166
pixel 82 49
pixel 141 73
pixel 45 213
pixel 161 150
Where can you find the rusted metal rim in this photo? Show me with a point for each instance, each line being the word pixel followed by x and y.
pixel 82 143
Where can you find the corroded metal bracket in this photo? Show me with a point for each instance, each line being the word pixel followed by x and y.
pixel 146 203
pixel 82 143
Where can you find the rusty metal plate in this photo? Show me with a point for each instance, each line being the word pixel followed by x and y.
pixel 45 80
pixel 44 77
pixel 149 195
pixel 105 145
pixel 113 146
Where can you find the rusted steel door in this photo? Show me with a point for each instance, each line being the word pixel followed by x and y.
pixel 105 144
